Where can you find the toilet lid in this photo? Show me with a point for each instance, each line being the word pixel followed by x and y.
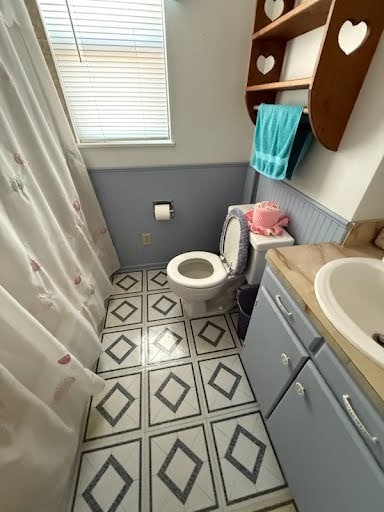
pixel 234 241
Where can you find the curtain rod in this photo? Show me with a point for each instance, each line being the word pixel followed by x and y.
pixel 305 111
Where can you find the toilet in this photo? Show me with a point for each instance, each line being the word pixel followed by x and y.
pixel 206 282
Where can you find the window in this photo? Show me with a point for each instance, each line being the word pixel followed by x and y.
pixel 111 60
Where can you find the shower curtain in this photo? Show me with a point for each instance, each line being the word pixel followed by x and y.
pixel 56 255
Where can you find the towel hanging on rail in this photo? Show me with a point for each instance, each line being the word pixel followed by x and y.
pixel 281 140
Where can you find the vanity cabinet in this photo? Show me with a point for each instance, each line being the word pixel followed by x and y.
pixel 274 355
pixel 328 436
pixel 278 342
pixel 326 462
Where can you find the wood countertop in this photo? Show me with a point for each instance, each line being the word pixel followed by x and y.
pixel 297 267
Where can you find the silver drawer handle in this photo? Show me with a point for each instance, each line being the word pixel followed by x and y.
pixel 284 359
pixel 299 389
pixel 282 307
pixel 356 420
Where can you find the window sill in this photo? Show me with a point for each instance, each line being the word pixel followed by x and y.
pixel 127 144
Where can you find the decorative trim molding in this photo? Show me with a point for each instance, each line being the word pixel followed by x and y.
pixel 172 167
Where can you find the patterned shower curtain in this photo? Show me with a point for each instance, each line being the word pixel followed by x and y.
pixel 55 258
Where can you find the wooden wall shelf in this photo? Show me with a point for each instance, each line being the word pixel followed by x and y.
pixel 304 18
pixel 287 85
pixel 338 77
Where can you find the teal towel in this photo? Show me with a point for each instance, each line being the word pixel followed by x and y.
pixel 281 140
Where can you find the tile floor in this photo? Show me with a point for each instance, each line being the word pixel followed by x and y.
pixel 176 427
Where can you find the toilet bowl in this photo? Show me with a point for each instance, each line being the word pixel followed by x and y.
pixel 196 275
pixel 203 283
pixel 206 283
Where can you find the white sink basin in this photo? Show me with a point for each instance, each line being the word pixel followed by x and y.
pixel 350 292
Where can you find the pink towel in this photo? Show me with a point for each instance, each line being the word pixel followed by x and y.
pixel 266 218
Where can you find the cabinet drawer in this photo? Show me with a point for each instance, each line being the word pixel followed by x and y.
pixel 272 353
pixel 365 418
pixel 328 467
pixel 291 311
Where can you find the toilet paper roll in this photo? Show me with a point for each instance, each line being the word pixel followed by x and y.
pixel 163 212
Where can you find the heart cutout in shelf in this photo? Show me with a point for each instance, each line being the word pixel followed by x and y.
pixel 265 64
pixel 352 36
pixel 273 8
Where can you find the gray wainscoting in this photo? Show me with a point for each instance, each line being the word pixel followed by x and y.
pixel 201 196
pixel 311 223
pixel 250 185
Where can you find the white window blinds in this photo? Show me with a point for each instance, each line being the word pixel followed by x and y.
pixel 111 60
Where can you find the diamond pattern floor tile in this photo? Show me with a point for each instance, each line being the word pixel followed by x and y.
pixel 212 334
pixel 157 279
pixel 167 342
pixel 124 311
pixel 162 306
pixel 172 394
pixel 117 408
pixel 127 282
pixel 110 478
pixel 225 383
pixel 248 465
pixel 176 426
pixel 122 350
pixel 181 472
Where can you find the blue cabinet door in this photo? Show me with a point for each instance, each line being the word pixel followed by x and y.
pixel 272 354
pixel 369 421
pixel 327 465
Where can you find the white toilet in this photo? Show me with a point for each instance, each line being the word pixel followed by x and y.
pixel 206 283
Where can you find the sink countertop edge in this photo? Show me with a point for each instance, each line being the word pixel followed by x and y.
pixel 297 267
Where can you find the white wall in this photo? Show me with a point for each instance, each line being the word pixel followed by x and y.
pixel 339 180
pixel 208 53
pixel 372 203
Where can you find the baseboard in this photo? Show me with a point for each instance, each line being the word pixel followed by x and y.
pixel 131 268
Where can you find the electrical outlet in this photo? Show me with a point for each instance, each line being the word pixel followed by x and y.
pixel 147 238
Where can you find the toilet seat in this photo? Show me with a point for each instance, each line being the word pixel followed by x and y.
pixel 218 276
pixel 234 241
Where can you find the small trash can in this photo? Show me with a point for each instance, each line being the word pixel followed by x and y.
pixel 245 300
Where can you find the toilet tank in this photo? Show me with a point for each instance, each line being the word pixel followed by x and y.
pixel 259 245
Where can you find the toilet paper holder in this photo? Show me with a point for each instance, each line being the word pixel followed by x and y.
pixel 171 207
